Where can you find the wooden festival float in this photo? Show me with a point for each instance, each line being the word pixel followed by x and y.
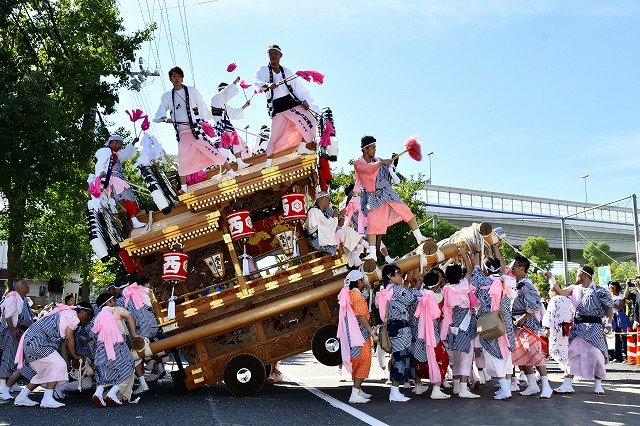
pixel 231 321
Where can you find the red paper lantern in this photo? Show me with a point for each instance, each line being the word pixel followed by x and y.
pixel 174 266
pixel 240 225
pixel 293 207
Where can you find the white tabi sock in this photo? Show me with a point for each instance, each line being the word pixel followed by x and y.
pixel 183 187
pixel 419 237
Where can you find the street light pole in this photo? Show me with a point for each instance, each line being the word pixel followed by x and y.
pixel 585 187
pixel 429 155
pixel 246 134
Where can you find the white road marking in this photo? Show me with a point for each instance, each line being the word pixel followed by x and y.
pixel 331 400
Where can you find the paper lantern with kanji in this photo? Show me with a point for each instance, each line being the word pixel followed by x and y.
pixel 174 266
pixel 293 206
pixel 240 225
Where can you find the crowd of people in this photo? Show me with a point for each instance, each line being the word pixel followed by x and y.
pixel 76 346
pixel 432 323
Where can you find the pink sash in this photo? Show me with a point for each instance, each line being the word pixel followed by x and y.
pixel 426 312
pixel 346 310
pixel 10 299
pixel 106 327
pixel 454 295
pixel 140 296
pixel 495 291
pixel 382 297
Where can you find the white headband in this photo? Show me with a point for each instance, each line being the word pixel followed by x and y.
pixel 585 272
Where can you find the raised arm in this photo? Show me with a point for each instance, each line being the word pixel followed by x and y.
pixel 498 255
pixel 560 291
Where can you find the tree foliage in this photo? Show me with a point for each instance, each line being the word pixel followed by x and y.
pixel 59 61
pixel 597 254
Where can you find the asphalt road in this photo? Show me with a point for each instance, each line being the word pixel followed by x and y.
pixel 312 395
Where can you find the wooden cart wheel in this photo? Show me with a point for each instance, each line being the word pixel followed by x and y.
pixel 326 346
pixel 244 375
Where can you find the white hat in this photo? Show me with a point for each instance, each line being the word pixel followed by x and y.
pixel 354 275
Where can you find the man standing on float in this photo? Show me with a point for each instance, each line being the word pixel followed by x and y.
pixel 380 204
pixel 288 103
pixel 187 107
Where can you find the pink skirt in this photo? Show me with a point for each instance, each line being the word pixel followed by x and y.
pixel 51 368
pixel 528 350
pixel 289 128
pixel 585 360
pixel 379 219
pixel 196 154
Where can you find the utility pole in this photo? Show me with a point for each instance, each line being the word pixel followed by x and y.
pixel 139 77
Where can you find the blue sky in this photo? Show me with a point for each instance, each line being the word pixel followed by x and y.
pixel 521 97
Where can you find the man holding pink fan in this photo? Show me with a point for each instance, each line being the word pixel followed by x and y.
pixel 288 104
pixel 380 204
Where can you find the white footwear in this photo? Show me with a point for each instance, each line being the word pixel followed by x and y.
pixel 15 388
pixel 523 379
pixel 58 391
pixel 419 389
pixel 396 396
pixel 98 399
pixel 597 387
pixel 505 390
pixel 303 150
pixel 532 389
pixel 267 164
pixel 23 399
pixel 419 237
pixel 446 384
pixel 407 385
pixel 546 390
pixel 241 164
pixel 112 396
pixel 372 255
pixel 436 393
pixel 364 394
pixel 354 260
pixel 465 393
pixel 480 377
pixel 515 387
pixel 6 394
pixel 48 401
pixel 141 389
pixel 390 259
pixel 356 398
pixel 136 223
pixel 150 365
pixel 564 388
pixel 487 376
pixel 230 174
pixel 456 386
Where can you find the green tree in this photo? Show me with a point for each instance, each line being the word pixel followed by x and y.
pixel 55 58
pixel 597 254
pixel 537 250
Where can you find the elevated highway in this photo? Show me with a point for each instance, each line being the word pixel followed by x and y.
pixel 523 216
